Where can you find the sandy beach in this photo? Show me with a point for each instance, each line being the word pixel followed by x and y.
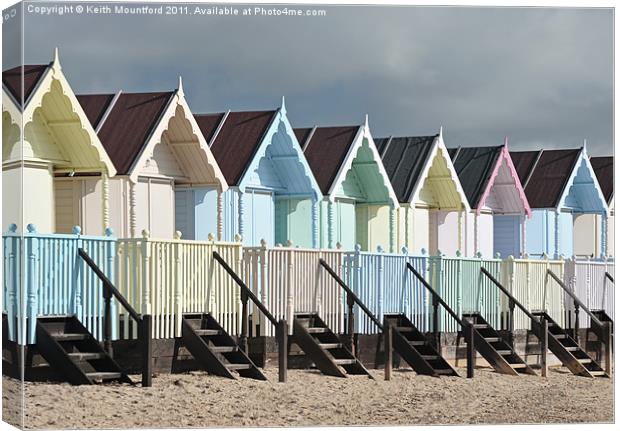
pixel 309 398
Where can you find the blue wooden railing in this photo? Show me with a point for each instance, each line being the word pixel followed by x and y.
pixel 44 276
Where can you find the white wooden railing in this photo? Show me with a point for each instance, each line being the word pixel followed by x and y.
pixel 586 278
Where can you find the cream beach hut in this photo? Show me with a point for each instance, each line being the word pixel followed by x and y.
pixel 433 205
pixel 359 205
pixel 496 223
pixel 156 147
pixel 46 141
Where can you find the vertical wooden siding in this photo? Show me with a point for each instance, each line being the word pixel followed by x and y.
pixel 56 281
pixel 290 280
pixel 586 278
pixel 170 277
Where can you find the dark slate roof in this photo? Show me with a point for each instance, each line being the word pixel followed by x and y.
pixel 474 166
pixel 604 170
pixel 549 174
pixel 404 159
pixel 12 80
pixel 238 140
pixel 326 152
pixel 302 135
pixel 128 126
pixel 208 124
pixel 94 106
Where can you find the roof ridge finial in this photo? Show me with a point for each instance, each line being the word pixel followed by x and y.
pixel 180 90
pixel 283 105
pixel 506 141
pixel 585 145
pixel 441 131
pixel 366 121
pixel 56 60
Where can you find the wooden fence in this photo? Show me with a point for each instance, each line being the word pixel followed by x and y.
pixel 385 285
pixel 290 280
pixel 529 283
pixel 586 278
pixel 44 276
pixel 167 278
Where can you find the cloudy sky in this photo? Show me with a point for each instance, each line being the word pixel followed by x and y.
pixel 541 76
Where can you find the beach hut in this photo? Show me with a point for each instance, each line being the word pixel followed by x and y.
pixel 589 227
pixel 433 204
pixel 273 195
pixel 156 147
pixel 560 186
pixel 497 199
pixel 46 141
pixel 359 205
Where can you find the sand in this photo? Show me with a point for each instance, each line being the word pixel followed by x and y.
pixel 309 398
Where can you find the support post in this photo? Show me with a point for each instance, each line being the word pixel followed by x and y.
pixel 147 351
pixel 471 358
pixel 436 336
pixel 243 337
pixel 544 345
pixel 107 320
pixel 511 322
pixel 351 323
pixel 387 339
pixel 576 329
pixel 132 209
pixel 220 215
pixel 282 335
pixel 607 342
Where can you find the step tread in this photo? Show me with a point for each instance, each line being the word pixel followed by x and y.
pixel 492 339
pixel 64 336
pixel 224 349
pixel 238 366
pixel 585 361
pixel 598 373
pixel 430 357
pixel 518 365
pixel 345 361
pixel 327 346
pixel 86 356
pixel 317 330
pixel 104 375
pixel 417 343
pixel 504 352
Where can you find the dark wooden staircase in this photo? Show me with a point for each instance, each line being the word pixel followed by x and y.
pixel 602 316
pixel 72 350
pixel 567 350
pixel 324 348
pixel 415 349
pixel 494 349
pixel 215 350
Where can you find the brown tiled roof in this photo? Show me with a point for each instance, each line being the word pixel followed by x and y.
pixel 208 124
pixel 12 80
pixel 94 106
pixel 326 152
pixel 302 135
pixel 238 140
pixel 129 124
pixel 604 170
pixel 549 177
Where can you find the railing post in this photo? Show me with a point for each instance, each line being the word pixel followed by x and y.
pixel 607 342
pixel 436 335
pixel 544 345
pixel 576 329
pixel 147 350
pixel 387 340
pixel 351 322
pixel 282 340
pixel 178 284
pixel 146 268
pixel 243 337
pixel 471 358
pixel 32 273
pixel 11 273
pixel 107 320
pixel 511 322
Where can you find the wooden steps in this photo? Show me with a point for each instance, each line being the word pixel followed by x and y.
pixel 494 349
pixel 567 350
pixel 324 348
pixel 74 353
pixel 214 349
pixel 413 347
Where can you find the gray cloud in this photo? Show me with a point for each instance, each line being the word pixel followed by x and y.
pixel 541 76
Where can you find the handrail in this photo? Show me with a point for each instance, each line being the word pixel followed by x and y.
pixel 107 284
pixel 575 298
pixel 245 288
pixel 436 295
pixel 508 294
pixel 350 292
pixel 610 277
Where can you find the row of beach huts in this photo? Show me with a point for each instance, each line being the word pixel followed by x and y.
pixel 136 191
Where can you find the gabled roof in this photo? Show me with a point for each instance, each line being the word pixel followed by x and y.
pixel 604 170
pixel 475 165
pixel 545 174
pixel 326 151
pixel 237 140
pixel 32 75
pixel 128 124
pixel 404 160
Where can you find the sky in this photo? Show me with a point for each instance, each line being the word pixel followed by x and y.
pixel 543 77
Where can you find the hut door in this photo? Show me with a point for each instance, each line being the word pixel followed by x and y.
pixel 507 235
pixel 261 218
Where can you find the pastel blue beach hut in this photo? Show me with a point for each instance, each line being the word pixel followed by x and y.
pixel 560 186
pixel 273 194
